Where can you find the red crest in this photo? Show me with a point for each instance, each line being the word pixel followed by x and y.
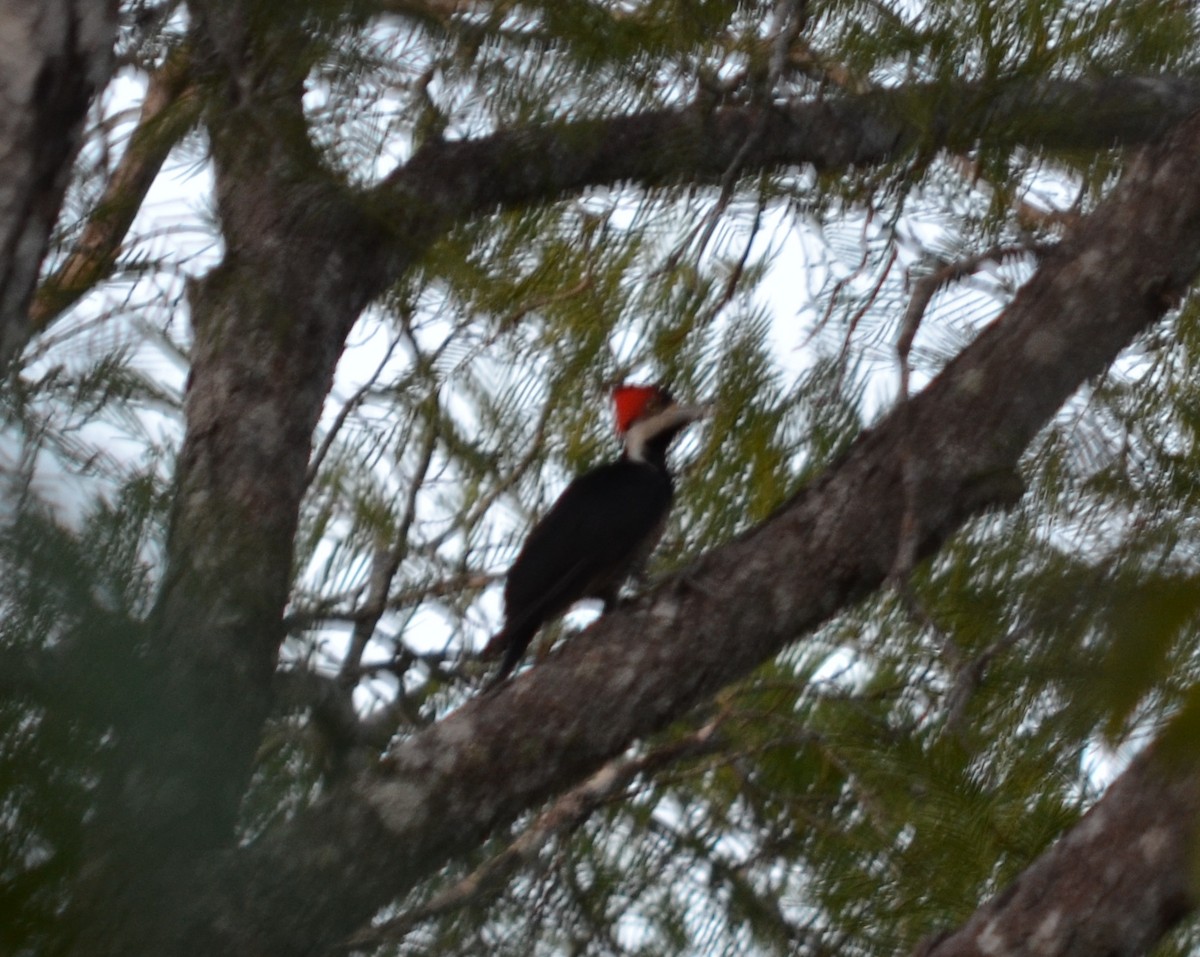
pixel 631 402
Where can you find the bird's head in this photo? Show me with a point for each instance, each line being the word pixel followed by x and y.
pixel 648 418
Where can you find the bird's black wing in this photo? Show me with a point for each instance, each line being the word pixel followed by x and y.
pixel 597 526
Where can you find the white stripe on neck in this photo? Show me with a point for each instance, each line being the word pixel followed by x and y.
pixel 642 432
pixel 636 438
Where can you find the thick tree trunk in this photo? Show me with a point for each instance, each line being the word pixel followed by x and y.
pixel 269 325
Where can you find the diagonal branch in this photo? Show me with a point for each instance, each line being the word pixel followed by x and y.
pixel 309 883
pixel 349 407
pixel 385 564
pixel 1114 884
pixel 159 129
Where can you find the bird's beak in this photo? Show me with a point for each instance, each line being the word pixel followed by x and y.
pixel 686 414
pixel 672 418
pixel 666 421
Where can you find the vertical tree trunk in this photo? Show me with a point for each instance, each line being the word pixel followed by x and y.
pixel 269 323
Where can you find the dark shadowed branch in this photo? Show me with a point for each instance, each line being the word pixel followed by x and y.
pixel 58 55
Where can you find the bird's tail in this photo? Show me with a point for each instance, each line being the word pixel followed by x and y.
pixel 508 645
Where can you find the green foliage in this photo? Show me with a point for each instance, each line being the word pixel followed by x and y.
pixel 70 637
pixel 881 777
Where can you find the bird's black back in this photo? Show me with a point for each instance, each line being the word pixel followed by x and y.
pixel 592 536
pixel 602 526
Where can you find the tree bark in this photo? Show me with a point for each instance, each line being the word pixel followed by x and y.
pixel 57 55
pixel 303 256
pixel 706 142
pixel 902 488
pixel 448 181
pixel 1113 885
pixel 95 253
pixel 269 323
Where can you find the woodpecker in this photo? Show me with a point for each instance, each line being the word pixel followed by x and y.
pixel 602 528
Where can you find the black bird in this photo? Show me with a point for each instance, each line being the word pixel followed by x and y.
pixel 602 528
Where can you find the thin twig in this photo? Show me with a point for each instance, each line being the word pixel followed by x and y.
pixel 790 19
pixel 923 292
pixel 386 562
pixel 333 610
pixel 969 677
pixel 1028 215
pixel 344 413
pixel 531 457
pixel 925 288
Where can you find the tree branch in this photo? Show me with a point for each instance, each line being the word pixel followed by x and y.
pixel 449 180
pixel 313 880
pixel 96 253
pixel 1114 884
pixel 57 55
